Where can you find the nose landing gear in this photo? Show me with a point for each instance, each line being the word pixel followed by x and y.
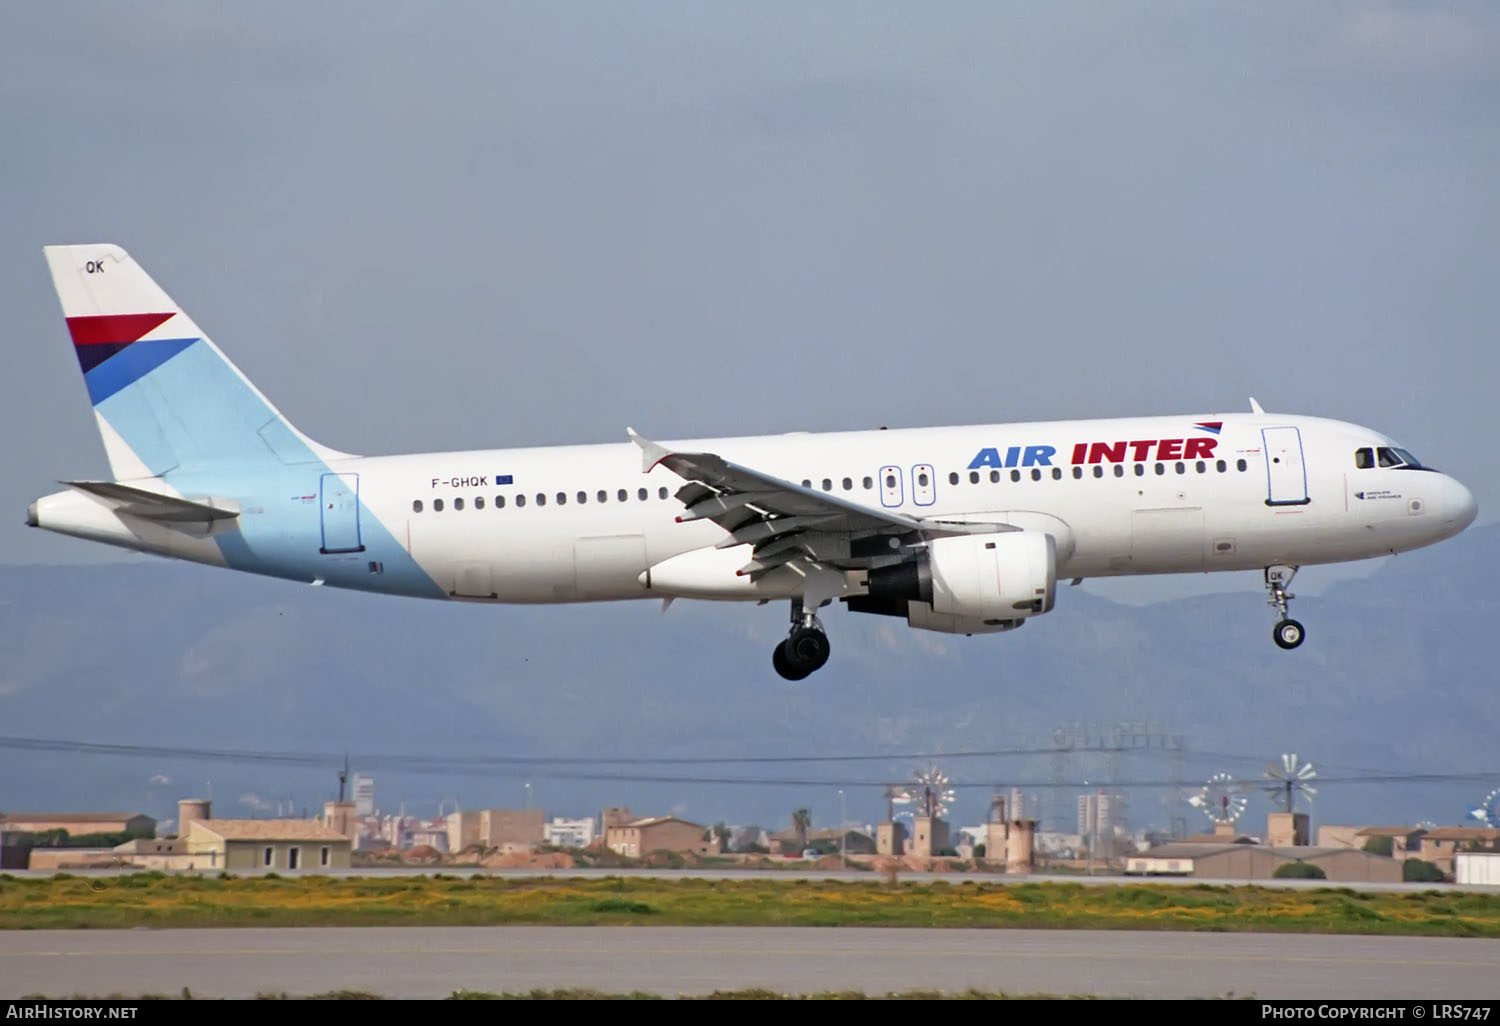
pixel 1287 633
pixel 805 649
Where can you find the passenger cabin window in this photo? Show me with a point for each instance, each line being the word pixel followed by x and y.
pixel 622 495
pixel 953 478
pixel 479 502
pixel 499 502
pixel 641 494
pixel 661 493
pixel 520 500
pixel 1241 465
pixel 458 503
pixel 603 495
pixel 1364 458
pixel 583 497
pixel 994 477
pixel 869 483
pixel 416 507
pixel 848 485
pixel 541 498
pixel 562 498
pixel 1036 474
pixel 437 505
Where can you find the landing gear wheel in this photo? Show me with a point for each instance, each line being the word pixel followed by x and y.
pixel 807 647
pixel 804 651
pixel 778 660
pixel 1288 634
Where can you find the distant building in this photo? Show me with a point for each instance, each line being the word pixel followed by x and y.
pixel 1441 844
pixel 1477 867
pixel 890 838
pixel 364 795
pixel 165 853
pixel 339 817
pixel 268 844
pixel 1259 862
pixel 850 842
pixel 1287 829
pixel 512 829
pixel 570 833
pixel 431 835
pixel 79 824
pixel 929 837
pixel 1099 814
pixel 660 833
pixel 1406 842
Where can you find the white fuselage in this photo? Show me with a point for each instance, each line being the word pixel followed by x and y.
pixel 584 523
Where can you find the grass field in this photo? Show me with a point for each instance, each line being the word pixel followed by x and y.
pixel 155 899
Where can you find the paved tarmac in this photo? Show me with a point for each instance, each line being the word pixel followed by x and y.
pixel 430 962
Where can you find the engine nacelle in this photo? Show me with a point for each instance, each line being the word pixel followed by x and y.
pixel 994 576
pixel 970 584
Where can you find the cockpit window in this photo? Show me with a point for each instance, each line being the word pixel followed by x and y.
pixel 1398 458
pixel 1388 457
pixel 1364 459
pixel 1407 459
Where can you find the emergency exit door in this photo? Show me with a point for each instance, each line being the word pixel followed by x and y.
pixel 338 502
pixel 1286 475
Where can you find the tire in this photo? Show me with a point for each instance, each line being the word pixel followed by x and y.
pixel 784 668
pixel 807 649
pixel 1288 634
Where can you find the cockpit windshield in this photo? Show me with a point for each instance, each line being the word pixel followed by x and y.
pixel 1386 457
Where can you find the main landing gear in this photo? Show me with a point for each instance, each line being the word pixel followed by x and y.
pixel 805 649
pixel 1287 633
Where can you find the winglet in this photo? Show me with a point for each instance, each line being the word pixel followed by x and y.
pixel 651 453
pixel 1255 406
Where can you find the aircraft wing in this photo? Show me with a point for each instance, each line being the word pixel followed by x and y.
pixel 138 502
pixel 785 521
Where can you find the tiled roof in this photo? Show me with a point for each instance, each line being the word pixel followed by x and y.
pixel 1464 834
pixel 269 830
pixel 1391 831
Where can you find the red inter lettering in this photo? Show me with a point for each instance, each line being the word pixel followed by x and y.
pixel 1099 451
pixel 1169 449
pixel 1078 451
pixel 1199 448
pixel 1142 450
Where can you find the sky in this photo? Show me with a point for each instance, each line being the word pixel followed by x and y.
pixel 452 225
pixel 458 225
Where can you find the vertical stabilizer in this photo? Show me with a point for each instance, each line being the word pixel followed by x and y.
pixel 165 397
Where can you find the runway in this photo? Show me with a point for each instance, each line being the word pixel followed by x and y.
pixel 422 962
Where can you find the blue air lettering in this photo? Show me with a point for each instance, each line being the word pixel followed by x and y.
pixel 1033 456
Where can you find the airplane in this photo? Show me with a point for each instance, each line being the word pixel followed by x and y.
pixel 962 530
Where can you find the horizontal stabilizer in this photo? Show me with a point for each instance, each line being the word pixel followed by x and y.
pixel 138 502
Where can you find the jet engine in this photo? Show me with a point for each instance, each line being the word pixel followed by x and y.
pixel 969 584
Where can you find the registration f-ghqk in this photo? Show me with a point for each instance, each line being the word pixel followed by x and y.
pixel 964 530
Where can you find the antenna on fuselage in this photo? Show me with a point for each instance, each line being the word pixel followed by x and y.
pixel 1255 406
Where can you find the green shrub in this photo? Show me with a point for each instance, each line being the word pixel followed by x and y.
pixel 1380 845
pixel 1299 871
pixel 1417 871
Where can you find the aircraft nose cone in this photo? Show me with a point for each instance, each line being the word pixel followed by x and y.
pixel 1461 505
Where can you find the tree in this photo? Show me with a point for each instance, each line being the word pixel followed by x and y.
pixel 801 822
pixel 1299 871
pixel 1380 845
pixel 1417 871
